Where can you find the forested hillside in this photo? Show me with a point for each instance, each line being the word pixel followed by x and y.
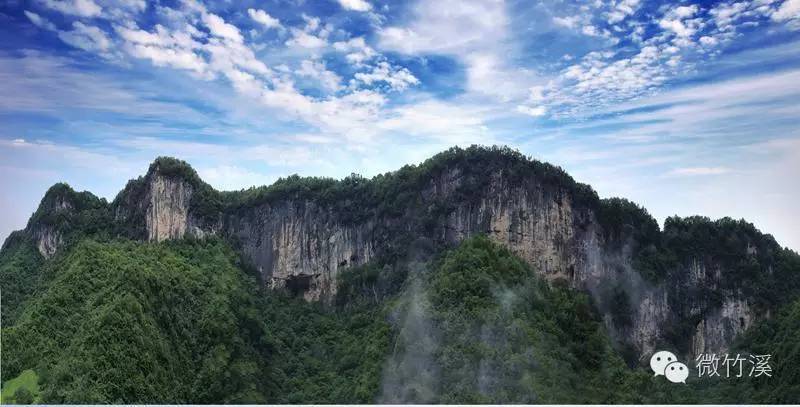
pixel 183 323
pixel 479 276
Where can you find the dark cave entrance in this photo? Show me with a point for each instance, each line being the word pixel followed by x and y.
pixel 298 284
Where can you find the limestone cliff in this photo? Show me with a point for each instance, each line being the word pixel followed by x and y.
pixel 653 287
pixel 62 212
pixel 300 245
pixel 158 206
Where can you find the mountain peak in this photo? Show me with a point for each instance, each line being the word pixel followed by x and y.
pixel 173 168
pixel 62 198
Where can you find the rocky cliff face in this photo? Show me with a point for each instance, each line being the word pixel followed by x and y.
pixel 167 211
pixel 48 240
pixel 60 213
pixel 302 244
pixel 47 236
pixel 158 207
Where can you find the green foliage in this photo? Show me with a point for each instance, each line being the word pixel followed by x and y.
pixel 181 323
pixel 623 219
pixel 323 355
pixel 23 389
pixel 71 215
pixel 369 284
pixel 750 261
pixel 20 265
pixel 128 322
pixel 393 194
pixel 173 167
pixel 23 396
pixel 61 203
pixel 626 223
pixel 116 321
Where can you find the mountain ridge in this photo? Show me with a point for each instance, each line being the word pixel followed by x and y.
pixel 676 284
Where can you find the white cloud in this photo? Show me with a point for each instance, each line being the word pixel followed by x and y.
pixel 226 56
pixel 315 138
pixel 682 12
pixel 568 22
pixel 707 40
pixel 689 35
pixel 317 70
pixel 725 14
pixel 591 31
pixel 602 78
pixel 81 8
pixel 706 111
pixel 55 86
pixel 163 47
pixel 440 121
pixel 677 26
pixel 263 18
pixel 477 33
pixel 357 5
pixel 86 37
pixel 40 21
pixel 303 39
pixel 699 171
pixel 532 111
pixel 449 27
pixel 312 36
pixel 221 29
pixel 122 10
pixel 171 57
pixel 789 9
pixel 358 52
pixel 396 78
pixel 622 9
pixel 678 20
pixel 489 74
pixel 232 177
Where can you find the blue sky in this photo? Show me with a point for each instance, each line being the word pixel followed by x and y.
pixel 686 108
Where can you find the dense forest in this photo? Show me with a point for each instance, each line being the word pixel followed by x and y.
pixel 111 318
pixel 183 322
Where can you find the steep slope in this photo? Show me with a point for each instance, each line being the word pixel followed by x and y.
pixel 177 322
pixel 694 286
pixel 481 327
pixel 132 322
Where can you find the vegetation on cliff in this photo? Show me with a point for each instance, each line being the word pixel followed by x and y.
pixel 20 265
pixel 182 322
pixel 112 320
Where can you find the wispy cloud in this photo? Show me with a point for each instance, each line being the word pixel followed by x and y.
pixel 699 171
pixel 620 93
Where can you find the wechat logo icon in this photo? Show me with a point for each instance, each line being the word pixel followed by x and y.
pixel 666 364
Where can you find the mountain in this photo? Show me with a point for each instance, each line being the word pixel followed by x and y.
pixel 361 284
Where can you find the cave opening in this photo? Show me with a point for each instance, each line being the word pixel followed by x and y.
pixel 298 284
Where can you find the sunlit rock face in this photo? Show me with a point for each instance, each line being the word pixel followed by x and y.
pixel 302 244
pixel 46 235
pixel 168 208
pixel 48 240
